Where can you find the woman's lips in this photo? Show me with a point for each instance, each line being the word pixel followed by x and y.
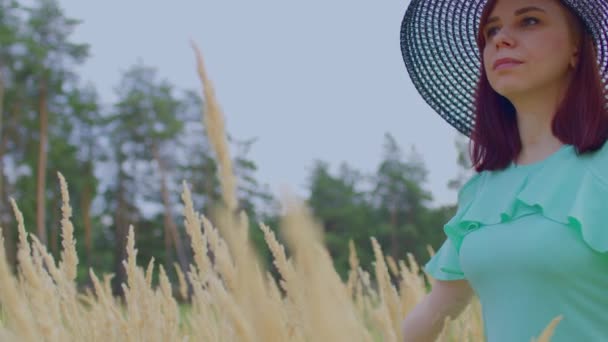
pixel 506 63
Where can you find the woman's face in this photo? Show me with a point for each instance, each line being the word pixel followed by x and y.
pixel 540 35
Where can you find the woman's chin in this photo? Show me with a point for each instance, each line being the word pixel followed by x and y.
pixel 508 89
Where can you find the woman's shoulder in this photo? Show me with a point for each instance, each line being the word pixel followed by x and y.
pixel 565 168
pixel 469 189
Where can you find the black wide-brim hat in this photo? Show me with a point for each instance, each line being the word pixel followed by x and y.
pixel 438 43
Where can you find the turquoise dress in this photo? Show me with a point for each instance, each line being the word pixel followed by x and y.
pixel 532 240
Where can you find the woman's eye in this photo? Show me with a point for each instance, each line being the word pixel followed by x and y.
pixel 530 20
pixel 490 32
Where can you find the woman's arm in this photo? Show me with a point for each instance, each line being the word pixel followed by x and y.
pixel 425 321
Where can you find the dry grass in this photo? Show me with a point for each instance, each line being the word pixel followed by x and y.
pixel 233 298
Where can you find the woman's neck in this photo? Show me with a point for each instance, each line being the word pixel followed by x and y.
pixel 534 121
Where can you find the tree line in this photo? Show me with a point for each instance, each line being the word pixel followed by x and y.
pixel 125 162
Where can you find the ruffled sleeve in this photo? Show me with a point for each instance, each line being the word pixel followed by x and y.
pixel 567 188
pixel 445 264
pixel 574 193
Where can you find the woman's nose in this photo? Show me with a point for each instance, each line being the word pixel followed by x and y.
pixel 503 38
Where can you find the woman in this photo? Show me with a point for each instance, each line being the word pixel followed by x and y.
pixel 525 80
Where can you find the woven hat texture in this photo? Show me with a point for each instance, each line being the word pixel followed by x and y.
pixel 441 55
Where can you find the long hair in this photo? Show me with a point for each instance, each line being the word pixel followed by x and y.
pixel 581 118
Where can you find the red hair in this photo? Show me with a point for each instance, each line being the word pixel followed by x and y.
pixel 581 118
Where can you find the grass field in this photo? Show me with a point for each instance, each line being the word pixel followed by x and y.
pixel 233 297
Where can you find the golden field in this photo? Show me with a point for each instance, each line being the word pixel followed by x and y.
pixel 229 296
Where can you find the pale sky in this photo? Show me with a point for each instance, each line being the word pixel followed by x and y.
pixel 313 79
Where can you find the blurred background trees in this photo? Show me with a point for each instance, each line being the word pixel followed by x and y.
pixel 125 162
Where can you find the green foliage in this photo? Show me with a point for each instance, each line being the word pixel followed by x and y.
pixel 125 162
pixel 391 205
